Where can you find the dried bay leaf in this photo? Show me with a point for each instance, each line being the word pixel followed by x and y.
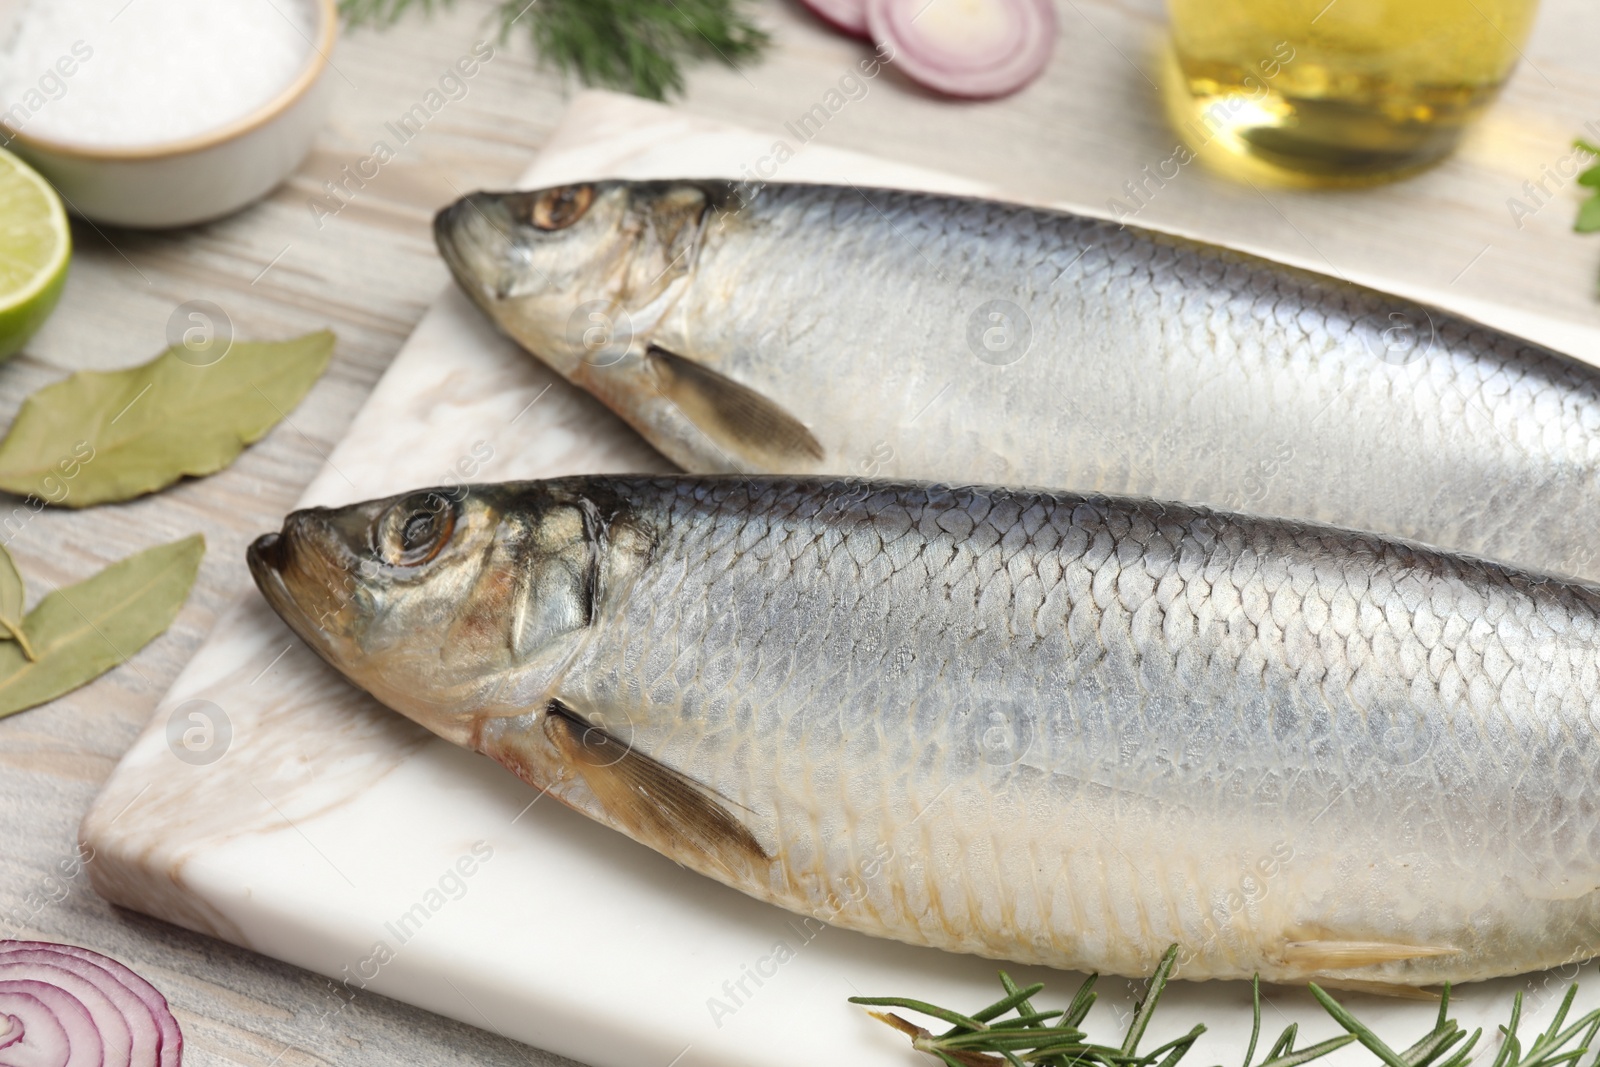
pixel 104 436
pixel 13 594
pixel 82 631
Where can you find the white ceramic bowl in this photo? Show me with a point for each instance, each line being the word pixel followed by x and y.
pixel 177 183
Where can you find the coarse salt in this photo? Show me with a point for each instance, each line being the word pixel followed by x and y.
pixel 145 72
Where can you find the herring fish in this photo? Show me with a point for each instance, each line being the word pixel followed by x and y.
pixel 1047 727
pixel 813 329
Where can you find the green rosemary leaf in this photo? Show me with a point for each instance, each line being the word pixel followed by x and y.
pixel 931 1010
pixel 1464 1053
pixel 1025 1039
pixel 1547 1043
pixel 1363 1034
pixel 1082 1001
pixel 995 1040
pixel 1012 1000
pixel 1508 1047
pixel 1147 1007
pixel 1285 1043
pixel 1431 1046
pixel 1310 1052
pixel 1176 1048
pixel 1255 1018
pixel 1588 1037
pixel 1025 1010
pixel 1032 1019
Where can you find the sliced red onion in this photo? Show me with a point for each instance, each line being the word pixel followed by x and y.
pixel 170 1037
pixel 970 48
pixel 847 15
pixel 76 1007
pixel 65 973
pixel 11 1030
pixel 58 1031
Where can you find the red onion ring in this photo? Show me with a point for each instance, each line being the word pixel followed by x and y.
pixel 969 48
pixel 58 1031
pixel 850 16
pixel 70 1007
pixel 13 1030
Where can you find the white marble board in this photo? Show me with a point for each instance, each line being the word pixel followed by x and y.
pixel 307 822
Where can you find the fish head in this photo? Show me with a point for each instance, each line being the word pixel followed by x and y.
pixel 577 273
pixel 423 599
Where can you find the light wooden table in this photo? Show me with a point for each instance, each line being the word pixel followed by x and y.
pixel 369 272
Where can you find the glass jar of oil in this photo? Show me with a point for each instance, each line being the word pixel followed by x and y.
pixel 1340 92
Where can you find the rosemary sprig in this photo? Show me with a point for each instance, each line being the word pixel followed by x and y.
pixel 1057 1038
pixel 638 46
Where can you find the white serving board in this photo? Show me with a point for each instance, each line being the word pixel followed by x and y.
pixel 324 819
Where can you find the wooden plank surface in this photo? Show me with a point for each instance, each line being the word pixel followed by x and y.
pixel 1090 126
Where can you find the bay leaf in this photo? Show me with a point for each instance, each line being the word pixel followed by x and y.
pixel 83 630
pixel 102 436
pixel 13 594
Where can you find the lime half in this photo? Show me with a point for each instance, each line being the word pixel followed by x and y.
pixel 35 245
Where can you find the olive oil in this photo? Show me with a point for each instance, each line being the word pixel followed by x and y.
pixel 1340 92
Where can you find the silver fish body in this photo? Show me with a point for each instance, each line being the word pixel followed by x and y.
pixel 811 329
pixel 1044 727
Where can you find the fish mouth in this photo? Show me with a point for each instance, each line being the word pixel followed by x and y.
pixel 266 551
pixel 469 239
pixel 268 557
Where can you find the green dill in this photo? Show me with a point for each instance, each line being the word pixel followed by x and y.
pixel 985 1038
pixel 638 46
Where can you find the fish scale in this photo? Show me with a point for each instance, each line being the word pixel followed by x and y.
pixel 1059 728
pixel 1157 367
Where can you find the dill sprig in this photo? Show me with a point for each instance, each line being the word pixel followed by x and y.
pixel 638 46
pixel 1057 1038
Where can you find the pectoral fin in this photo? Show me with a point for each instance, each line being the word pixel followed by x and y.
pixel 1316 957
pixel 748 428
pixel 658 806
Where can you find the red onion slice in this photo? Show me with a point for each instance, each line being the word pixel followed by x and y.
pixel 970 48
pixel 169 1037
pixel 58 1031
pixel 110 1017
pixel 114 1016
pixel 847 15
pixel 11 1030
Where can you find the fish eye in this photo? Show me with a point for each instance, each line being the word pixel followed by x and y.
pixel 556 209
pixel 413 531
